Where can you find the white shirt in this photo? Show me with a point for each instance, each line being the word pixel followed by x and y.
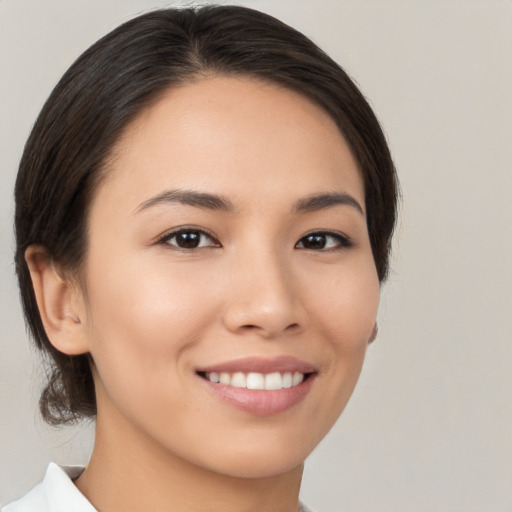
pixel 58 493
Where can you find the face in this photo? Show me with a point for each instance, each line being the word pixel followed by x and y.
pixel 231 288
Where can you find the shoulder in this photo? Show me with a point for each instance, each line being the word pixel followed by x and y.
pixel 56 493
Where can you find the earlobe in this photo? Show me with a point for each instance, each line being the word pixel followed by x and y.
pixel 59 302
pixel 374 333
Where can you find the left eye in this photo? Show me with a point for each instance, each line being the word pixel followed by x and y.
pixel 190 239
pixel 323 241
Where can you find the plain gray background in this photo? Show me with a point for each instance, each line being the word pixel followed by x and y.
pixel 429 427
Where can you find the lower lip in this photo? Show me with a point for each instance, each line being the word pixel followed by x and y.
pixel 261 402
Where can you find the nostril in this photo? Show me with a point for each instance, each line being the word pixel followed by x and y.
pixel 249 327
pixel 252 327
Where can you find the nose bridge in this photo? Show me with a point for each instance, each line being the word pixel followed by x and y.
pixel 262 293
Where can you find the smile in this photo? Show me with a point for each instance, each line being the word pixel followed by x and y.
pixel 260 386
pixel 254 380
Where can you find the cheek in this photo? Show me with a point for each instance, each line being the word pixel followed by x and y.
pixel 143 321
pixel 345 316
pixel 142 330
pixel 346 306
pixel 147 300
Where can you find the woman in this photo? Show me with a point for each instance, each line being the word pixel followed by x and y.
pixel 204 212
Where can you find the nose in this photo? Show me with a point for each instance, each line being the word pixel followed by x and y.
pixel 263 298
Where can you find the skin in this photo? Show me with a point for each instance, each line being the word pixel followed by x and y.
pixel 151 313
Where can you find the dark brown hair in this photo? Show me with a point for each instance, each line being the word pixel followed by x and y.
pixel 112 82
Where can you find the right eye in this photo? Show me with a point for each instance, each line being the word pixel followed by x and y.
pixel 189 239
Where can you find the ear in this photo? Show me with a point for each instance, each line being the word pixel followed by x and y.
pixel 374 333
pixel 60 303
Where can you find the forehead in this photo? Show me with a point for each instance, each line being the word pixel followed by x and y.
pixel 220 132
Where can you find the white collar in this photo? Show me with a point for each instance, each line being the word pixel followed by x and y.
pixel 56 493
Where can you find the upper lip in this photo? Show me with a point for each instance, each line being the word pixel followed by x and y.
pixel 281 364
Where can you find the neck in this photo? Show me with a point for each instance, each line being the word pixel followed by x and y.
pixel 128 472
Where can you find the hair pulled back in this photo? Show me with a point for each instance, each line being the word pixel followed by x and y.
pixel 123 73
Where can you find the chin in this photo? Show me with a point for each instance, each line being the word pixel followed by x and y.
pixel 259 461
pixel 261 468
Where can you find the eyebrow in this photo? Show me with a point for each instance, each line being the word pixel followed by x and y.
pixel 217 202
pixel 191 198
pixel 326 200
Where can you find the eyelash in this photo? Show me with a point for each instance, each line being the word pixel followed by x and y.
pixel 342 242
pixel 201 232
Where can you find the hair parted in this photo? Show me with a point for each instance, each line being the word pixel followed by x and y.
pixel 113 81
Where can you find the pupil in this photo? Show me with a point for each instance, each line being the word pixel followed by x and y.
pixel 188 240
pixel 315 241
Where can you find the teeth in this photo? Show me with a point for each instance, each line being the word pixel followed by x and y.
pixel 297 378
pixel 273 381
pixel 254 380
pixel 239 380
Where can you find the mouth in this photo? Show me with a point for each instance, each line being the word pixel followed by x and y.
pixel 255 380
pixel 260 386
